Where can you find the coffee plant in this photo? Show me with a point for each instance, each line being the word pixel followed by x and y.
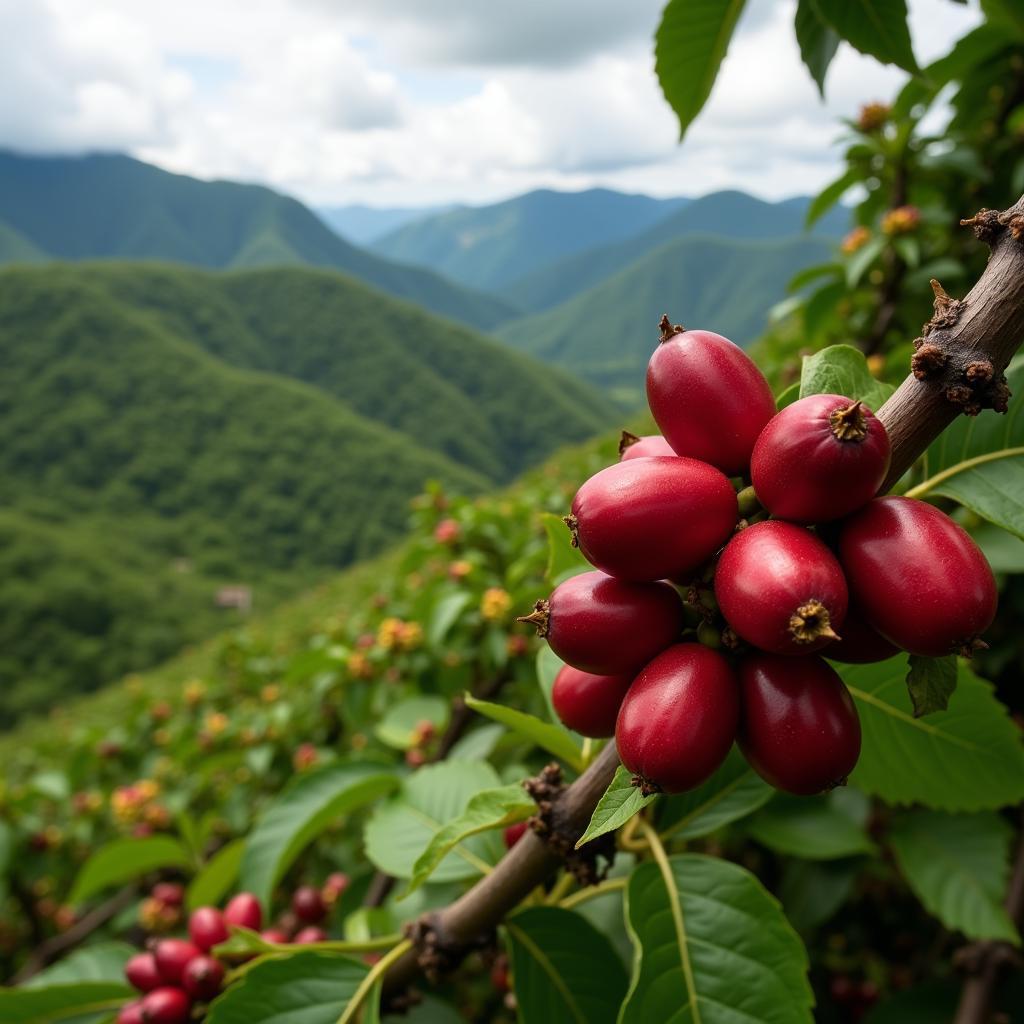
pixel 751 769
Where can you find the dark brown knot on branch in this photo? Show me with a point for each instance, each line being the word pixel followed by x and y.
pixel 437 953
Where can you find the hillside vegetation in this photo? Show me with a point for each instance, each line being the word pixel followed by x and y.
pixel 257 428
pixel 108 206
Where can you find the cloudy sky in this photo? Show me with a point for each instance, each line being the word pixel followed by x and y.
pixel 414 102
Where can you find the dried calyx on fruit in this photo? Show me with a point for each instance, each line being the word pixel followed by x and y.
pixel 632 446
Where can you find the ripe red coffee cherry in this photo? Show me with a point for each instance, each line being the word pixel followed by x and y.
pixel 308 905
pixel 918 577
pixel 308 935
pixel 172 957
pixel 131 1014
pixel 799 727
pixel 142 972
pixel 245 911
pixel 781 589
pixel 514 833
pixel 654 518
pixel 588 703
pixel 203 978
pixel 708 398
pixel 861 644
pixel 607 626
pixel 633 447
pixel 679 719
pixel 171 893
pixel 275 935
pixel 820 458
pixel 166 1006
pixel 207 928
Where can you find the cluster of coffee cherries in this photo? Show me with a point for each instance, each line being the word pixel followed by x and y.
pixel 733 554
pixel 175 976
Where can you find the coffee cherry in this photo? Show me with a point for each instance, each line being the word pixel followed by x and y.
pixel 799 727
pixel 166 1006
pixel 275 935
pixel 203 978
pixel 308 905
pixel 170 893
pixel 310 934
pixel 172 957
pixel 588 703
pixel 142 972
pixel 679 719
pixel 861 644
pixel 131 1014
pixel 653 519
pixel 633 447
pixel 514 833
pixel 607 626
pixel 918 577
pixel 820 458
pixel 708 398
pixel 781 589
pixel 245 911
pixel 207 928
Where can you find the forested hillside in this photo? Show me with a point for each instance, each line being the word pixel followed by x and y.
pixel 112 206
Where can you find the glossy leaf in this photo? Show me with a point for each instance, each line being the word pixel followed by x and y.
pixel 63 1004
pixel 875 27
pixel 307 988
pixel 689 46
pixel 564 969
pixel 123 860
pixel 620 801
pixel 552 738
pixel 712 945
pixel 300 813
pixel 103 962
pixel 958 866
pixel 398 728
pixel 815 828
pixel 818 44
pixel 217 877
pixel 842 370
pixel 399 831
pixel 490 809
pixel 967 758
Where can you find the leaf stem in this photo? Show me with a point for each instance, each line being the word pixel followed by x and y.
pixel 560 888
pixel 592 892
pixel 961 467
pixel 376 972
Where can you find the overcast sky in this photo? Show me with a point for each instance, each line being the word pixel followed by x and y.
pixel 414 102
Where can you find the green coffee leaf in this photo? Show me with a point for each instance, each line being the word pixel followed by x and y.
pixel 553 738
pixel 818 44
pixel 64 1004
pixel 812 891
pixel 444 614
pixel 842 370
pixel 490 809
pixel 217 877
pixel 564 969
pixel 966 758
pixel 621 800
pixel 399 831
pixel 103 962
pixel 689 46
pixel 306 988
pixel 123 860
pixel 733 792
pixel 958 866
pixel 930 683
pixel 712 945
pixel 399 726
pixel 875 27
pixel 831 193
pixel 815 828
pixel 300 813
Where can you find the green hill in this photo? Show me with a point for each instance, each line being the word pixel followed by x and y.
pixel 256 427
pixel 490 246
pixel 720 214
pixel 107 206
pixel 606 333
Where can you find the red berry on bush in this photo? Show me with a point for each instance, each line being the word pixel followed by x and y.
pixel 588 703
pixel 919 578
pixel 820 458
pixel 310 934
pixel 633 447
pixel 131 1014
pixel 172 957
pixel 799 727
pixel 308 905
pixel 861 644
pixel 653 519
pixel 708 398
pixel 203 978
pixel 607 626
pixel 514 833
pixel 275 935
pixel 166 1006
pixel 170 893
pixel 781 589
pixel 207 927
pixel 679 718
pixel 245 911
pixel 142 972
pixel 336 884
